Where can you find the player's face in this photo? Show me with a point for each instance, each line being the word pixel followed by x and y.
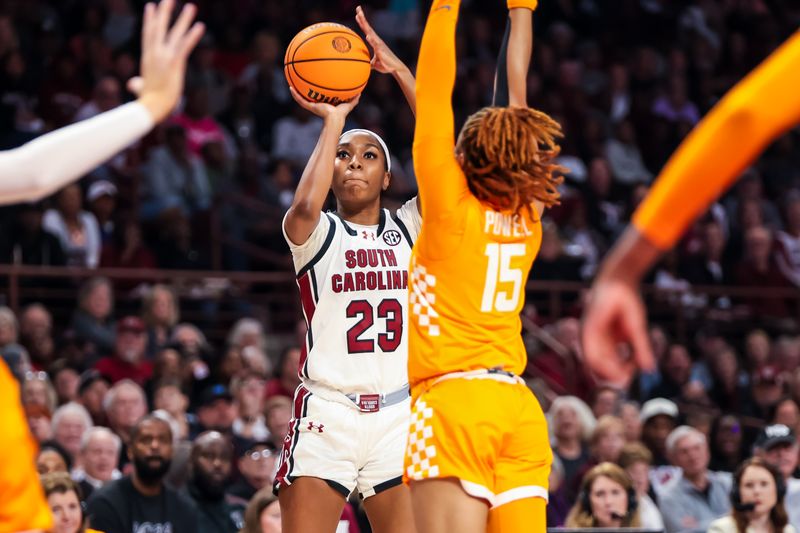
pixel 359 172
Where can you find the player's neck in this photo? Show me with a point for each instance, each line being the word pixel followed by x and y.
pixel 363 216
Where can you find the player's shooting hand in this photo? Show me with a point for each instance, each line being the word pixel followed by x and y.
pixel 615 315
pixel 325 110
pixel 383 59
pixel 165 51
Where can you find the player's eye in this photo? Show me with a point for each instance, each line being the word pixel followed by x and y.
pixel 342 154
pixel 370 155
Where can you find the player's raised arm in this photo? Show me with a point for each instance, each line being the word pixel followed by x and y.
pixel 386 61
pixel 515 55
pixel 756 111
pixel 439 177
pixel 46 164
pixel 309 199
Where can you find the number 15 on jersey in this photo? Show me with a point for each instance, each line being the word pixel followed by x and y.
pixel 499 270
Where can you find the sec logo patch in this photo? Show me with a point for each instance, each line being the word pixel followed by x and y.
pixel 392 237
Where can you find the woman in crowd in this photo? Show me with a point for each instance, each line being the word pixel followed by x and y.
pixel 572 424
pixel 636 459
pixel 607 499
pixel 757 500
pixel 64 498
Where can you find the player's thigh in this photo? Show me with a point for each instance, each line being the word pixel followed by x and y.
pixel 383 448
pixel 442 506
pixel 310 505
pixel 390 510
pixel 527 515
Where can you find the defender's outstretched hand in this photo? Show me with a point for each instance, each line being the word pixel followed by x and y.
pixel 165 51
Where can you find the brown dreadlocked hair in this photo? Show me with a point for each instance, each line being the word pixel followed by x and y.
pixel 508 157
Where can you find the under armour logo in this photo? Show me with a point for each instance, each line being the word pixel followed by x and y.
pixel 312 426
pixel 368 235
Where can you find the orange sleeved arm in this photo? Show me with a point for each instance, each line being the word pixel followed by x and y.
pixel 757 110
pixel 22 503
pixel 439 177
pixel 530 4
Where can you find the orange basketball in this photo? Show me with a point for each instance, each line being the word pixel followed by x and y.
pixel 327 62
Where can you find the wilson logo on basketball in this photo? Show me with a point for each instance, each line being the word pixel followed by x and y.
pixel 341 44
pixel 391 237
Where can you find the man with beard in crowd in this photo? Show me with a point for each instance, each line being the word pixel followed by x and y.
pixel 141 502
pixel 212 463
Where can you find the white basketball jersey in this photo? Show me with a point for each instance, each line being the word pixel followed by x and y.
pixel 353 287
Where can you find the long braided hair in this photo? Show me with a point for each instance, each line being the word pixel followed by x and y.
pixel 508 157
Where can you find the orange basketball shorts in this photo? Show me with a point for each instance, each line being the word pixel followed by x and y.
pixel 486 430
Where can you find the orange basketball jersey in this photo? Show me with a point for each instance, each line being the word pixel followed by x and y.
pixel 470 264
pixel 467 289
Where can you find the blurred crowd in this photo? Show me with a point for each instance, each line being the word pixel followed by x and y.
pixel 628 79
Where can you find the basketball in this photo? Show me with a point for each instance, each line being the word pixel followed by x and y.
pixel 327 62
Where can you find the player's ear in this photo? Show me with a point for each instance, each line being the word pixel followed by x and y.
pixel 387 179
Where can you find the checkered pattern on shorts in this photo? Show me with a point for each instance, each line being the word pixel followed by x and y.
pixel 423 297
pixel 421 451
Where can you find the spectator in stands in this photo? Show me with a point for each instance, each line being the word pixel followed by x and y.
pixel 787 245
pixel 216 411
pixel 191 340
pixel 124 504
pixel 248 332
pixel 562 370
pixel 92 389
pixel 39 421
pixel 124 405
pixel 65 499
pixel 759 269
pixel 102 200
pixel 249 396
pixel 659 417
pixel 211 467
pixel 160 312
pixel 93 320
pixel 636 459
pixel 70 423
pixel 607 440
pixel 631 419
pixel 127 249
pixel 286 379
pixel 29 242
pixel 558 504
pixel 756 484
pixel 605 401
pixel 263 513
pixel 65 381
pixel 607 500
pixel 777 444
pixel 757 349
pixel 168 396
pixel 127 360
pixel 175 177
pixel 8 327
pixel 709 267
pixel 196 120
pixel 553 262
pixel 571 425
pixel 698 496
pixel 278 412
pixel 293 136
pixel 675 106
pixel 36 333
pixel 624 157
pixel 676 371
pixel 76 229
pixel 730 390
pixel 106 96
pixel 786 352
pixel 786 412
pixel 99 456
pixel 53 457
pixel 767 388
pixel 38 390
pixel 726 443
pixel 257 467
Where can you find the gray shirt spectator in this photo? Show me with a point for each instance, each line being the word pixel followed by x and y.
pixel 698 496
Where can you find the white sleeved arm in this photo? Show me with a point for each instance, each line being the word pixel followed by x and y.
pixel 46 164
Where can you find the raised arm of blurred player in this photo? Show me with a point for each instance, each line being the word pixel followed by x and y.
pixel 46 164
pixel 760 108
pixel 386 61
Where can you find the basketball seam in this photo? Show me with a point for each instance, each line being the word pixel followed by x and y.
pixel 327 59
pixel 313 84
pixel 296 48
